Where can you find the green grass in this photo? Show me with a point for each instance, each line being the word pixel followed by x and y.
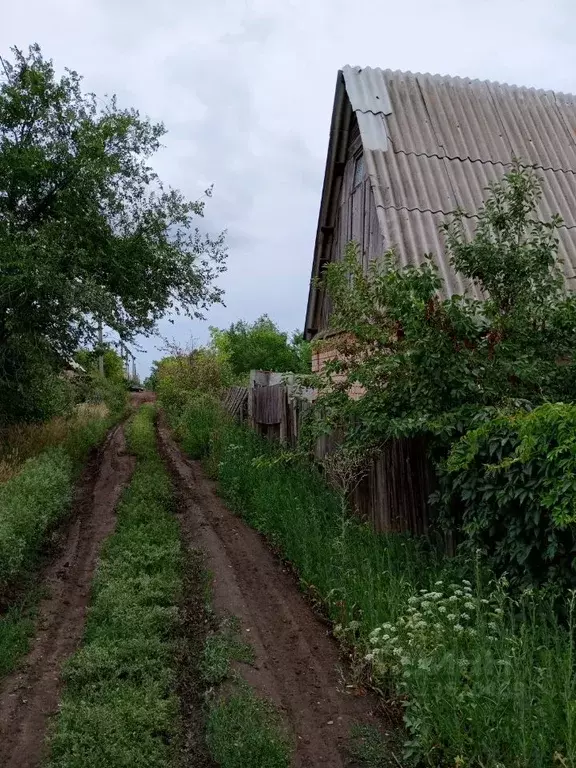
pixel 221 649
pixel 32 503
pixel 119 707
pixel 472 695
pixel 245 732
pixel 371 749
pixel 242 729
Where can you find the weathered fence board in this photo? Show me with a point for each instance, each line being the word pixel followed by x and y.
pixel 235 401
pixel 394 493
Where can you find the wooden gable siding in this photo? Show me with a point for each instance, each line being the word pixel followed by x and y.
pixel 356 219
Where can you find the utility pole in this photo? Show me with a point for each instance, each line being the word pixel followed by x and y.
pixel 100 342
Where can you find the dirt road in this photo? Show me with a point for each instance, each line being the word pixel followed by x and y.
pixel 297 662
pixel 30 695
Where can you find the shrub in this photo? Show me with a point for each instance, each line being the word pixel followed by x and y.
pixel 510 487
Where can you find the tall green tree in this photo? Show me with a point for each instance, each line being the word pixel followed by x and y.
pixel 112 362
pixel 87 229
pixel 261 346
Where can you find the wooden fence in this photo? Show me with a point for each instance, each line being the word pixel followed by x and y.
pixel 392 496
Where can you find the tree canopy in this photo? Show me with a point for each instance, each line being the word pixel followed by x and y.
pixel 87 229
pixel 261 346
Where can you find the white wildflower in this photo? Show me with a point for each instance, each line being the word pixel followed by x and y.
pixel 439 583
pixel 469 606
pixel 465 581
pixel 451 617
pixel 458 627
pixel 465 616
pixel 442 609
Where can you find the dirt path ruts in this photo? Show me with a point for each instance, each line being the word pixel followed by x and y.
pixel 296 661
pixel 30 695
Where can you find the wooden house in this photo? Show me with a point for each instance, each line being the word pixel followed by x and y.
pixel 405 150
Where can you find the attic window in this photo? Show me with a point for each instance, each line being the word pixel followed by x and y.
pixel 359 170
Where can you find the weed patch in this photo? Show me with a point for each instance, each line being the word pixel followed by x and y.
pixel 245 732
pixel 242 730
pixel 119 705
pixel 221 649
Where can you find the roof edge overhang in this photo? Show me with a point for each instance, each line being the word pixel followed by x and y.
pixel 339 128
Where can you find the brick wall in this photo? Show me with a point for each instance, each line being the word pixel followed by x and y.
pixel 323 354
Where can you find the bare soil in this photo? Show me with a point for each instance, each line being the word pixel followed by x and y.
pixel 298 665
pixel 30 695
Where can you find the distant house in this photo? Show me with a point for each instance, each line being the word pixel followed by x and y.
pixel 407 149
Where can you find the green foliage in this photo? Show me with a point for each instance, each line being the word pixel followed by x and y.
pixel 181 376
pixel 509 485
pixel 113 363
pixel 221 649
pixel 119 707
pixel 196 424
pixel 30 504
pixel 86 227
pixel 486 680
pixel 245 732
pixel 424 359
pixel 261 346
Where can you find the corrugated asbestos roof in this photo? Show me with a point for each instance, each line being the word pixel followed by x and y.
pixel 434 143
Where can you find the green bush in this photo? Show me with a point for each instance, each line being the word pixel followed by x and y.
pixel 119 707
pixel 509 486
pixel 93 388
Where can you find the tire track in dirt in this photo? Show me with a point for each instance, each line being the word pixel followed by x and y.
pixel 297 662
pixel 30 695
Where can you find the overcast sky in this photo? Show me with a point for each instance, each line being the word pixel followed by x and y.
pixel 245 89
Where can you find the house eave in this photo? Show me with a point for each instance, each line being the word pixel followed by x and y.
pixel 339 127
